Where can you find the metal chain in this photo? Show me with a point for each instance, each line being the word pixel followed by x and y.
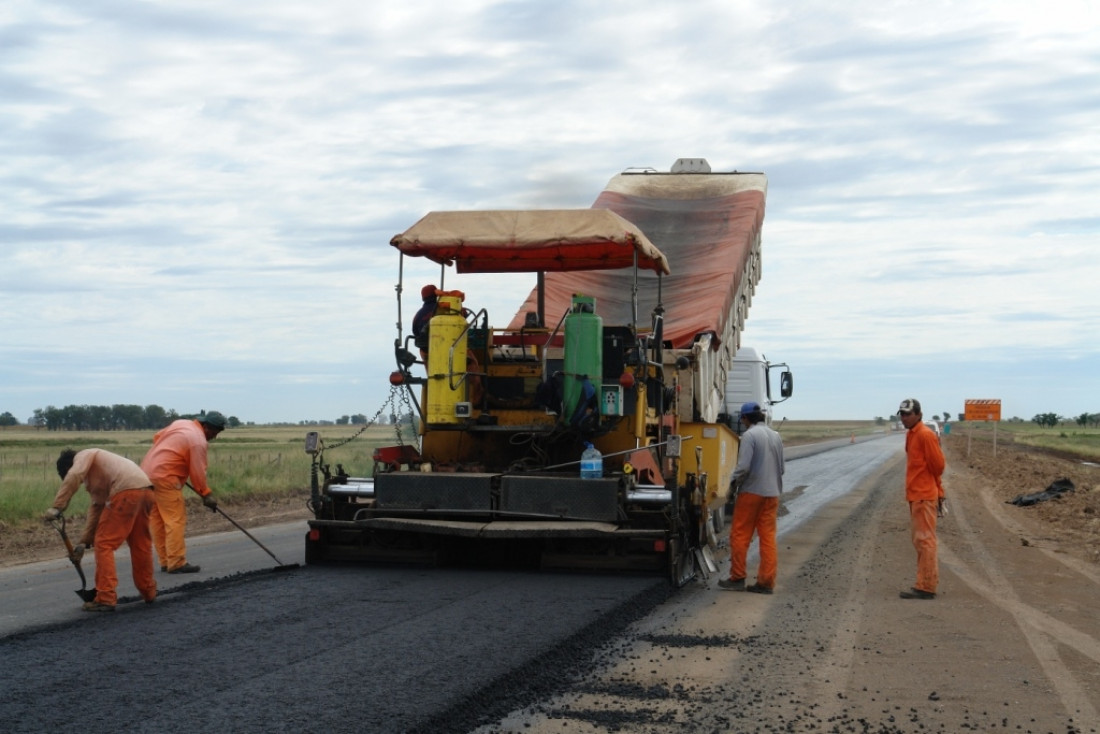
pixel 388 404
pixel 408 411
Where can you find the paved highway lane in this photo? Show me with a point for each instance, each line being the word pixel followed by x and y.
pixel 818 474
pixel 335 649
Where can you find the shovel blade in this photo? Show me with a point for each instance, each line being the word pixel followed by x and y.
pixel 86 594
pixel 701 564
pixel 708 559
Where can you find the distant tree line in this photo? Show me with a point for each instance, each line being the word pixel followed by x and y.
pixel 1050 420
pixel 1046 420
pixel 1088 420
pixel 150 417
pixel 1043 420
pixel 104 418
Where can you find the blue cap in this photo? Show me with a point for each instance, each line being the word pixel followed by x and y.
pixel 751 408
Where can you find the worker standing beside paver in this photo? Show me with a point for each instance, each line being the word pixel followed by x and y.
pixel 119 512
pixel 759 474
pixel 179 454
pixel 924 466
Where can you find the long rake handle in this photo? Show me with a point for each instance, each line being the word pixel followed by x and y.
pixel 251 537
pixel 237 525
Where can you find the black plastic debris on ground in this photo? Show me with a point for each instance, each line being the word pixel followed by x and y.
pixel 1056 489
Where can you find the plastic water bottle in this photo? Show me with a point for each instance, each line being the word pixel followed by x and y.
pixel 591 462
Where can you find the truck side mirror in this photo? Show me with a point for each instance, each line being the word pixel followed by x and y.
pixel 786 384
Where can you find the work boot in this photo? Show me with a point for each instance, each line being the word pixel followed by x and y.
pixel 185 568
pixel 758 589
pixel 94 606
pixel 916 593
pixel 732 585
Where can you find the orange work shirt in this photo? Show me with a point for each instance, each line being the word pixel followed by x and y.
pixel 178 453
pixel 103 474
pixel 924 465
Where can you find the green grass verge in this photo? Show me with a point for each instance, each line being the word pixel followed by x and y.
pixel 244 463
pixel 1067 438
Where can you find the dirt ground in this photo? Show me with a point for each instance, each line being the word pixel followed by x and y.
pixel 1069 524
pixel 42 543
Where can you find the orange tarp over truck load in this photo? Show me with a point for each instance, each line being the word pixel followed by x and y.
pixel 708 225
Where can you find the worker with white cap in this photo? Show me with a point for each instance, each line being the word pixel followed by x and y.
pixel 924 466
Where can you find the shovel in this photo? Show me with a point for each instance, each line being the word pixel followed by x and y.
pixel 83 592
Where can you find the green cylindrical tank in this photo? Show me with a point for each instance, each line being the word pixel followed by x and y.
pixel 583 352
pixel 446 366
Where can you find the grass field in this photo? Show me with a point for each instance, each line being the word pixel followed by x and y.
pixel 244 462
pixel 1068 438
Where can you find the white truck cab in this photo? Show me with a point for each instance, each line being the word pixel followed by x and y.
pixel 749 380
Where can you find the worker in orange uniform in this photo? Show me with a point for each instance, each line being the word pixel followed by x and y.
pixel 122 499
pixel 759 474
pixel 179 454
pixel 924 491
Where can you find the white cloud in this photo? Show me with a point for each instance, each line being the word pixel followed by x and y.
pixel 198 197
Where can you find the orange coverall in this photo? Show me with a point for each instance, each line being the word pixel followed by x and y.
pixel 923 490
pixel 121 503
pixel 753 513
pixel 760 465
pixel 178 454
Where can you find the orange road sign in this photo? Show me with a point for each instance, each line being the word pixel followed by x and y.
pixel 982 410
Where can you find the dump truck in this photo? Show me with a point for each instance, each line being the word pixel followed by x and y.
pixel 621 350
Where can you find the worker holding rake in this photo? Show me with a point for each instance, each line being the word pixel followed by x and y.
pixel 122 499
pixel 179 454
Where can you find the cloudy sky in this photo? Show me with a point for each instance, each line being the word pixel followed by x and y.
pixel 196 198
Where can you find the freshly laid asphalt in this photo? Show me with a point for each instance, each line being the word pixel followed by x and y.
pixel 316 649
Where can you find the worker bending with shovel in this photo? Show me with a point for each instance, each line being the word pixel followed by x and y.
pixel 179 454
pixel 122 499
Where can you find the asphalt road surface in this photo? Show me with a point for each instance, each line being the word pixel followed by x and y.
pixel 242 647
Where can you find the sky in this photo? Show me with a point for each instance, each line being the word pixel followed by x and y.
pixel 197 198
